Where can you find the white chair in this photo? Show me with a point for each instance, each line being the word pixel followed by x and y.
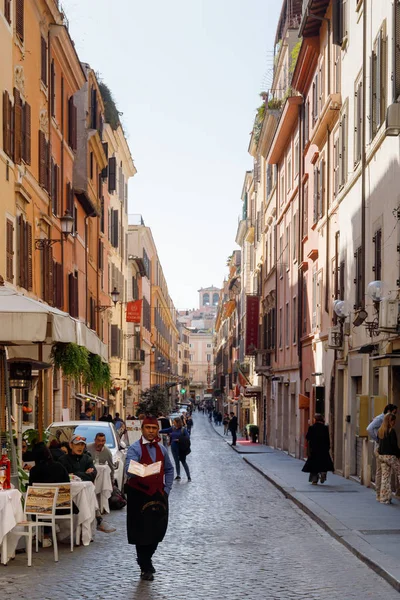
pixel 40 503
pixel 64 501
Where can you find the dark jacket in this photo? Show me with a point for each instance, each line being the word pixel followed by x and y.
pixel 78 465
pixel 51 472
pixel 388 445
pixel 233 424
pixel 56 453
pixel 319 460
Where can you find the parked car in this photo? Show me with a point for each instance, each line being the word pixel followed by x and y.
pixel 62 431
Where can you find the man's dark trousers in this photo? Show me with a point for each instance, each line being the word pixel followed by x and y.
pixel 144 556
pixel 233 437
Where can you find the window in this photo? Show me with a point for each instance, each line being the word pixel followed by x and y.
pixel 296 158
pixel 116 339
pixel 112 174
pixel 282 187
pixel 7 11
pixel 322 83
pixel 58 285
pixel 337 58
pixel 314 299
pixel 378 77
pixel 55 182
pixel 44 175
pixel 280 327
pixel 358 280
pixel 287 248
pixel 281 255
pixel 114 222
pixel 336 162
pixel 319 191
pixel 208 345
pixel 294 243
pixel 343 150
pixel 339 21
pixel 43 60
pixel 52 89
pixel 19 19
pixel 306 122
pixel 93 108
pixel 396 52
pixel 315 98
pixel 305 209
pixel 289 172
pixel 91 165
pixel 24 234
pixel 377 267
pixel 72 124
pixel 208 357
pixel 269 181
pixel 147 264
pixel 287 326
pixel 47 274
pixel 294 320
pixel 358 122
pixel 304 307
pixel 9 250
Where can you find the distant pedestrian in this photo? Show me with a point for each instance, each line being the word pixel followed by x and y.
pixel 176 433
pixel 319 460
pixel 219 418
pixel 225 423
pixel 373 429
pixel 119 424
pixel 87 415
pixel 147 509
pixel 189 424
pixel 232 426
pixel 389 454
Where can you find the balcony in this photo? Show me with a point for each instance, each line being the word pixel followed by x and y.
pixel 313 12
pixel 136 355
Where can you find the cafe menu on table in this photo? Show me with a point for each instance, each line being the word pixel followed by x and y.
pixel 140 470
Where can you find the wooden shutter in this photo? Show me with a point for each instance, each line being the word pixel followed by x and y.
pixel 115 225
pixel 9 251
pixel 29 256
pixel 373 102
pixel 58 285
pixel 72 124
pixel 377 267
pixel 26 134
pixel 114 340
pixel 112 174
pixel 52 89
pixel 104 172
pixel 54 187
pixel 321 191
pixel 101 255
pixel 316 194
pixel 7 11
pixel 43 60
pixel 42 159
pixel 7 118
pixel 19 19
pixel 396 50
pixel 21 251
pixel 17 127
pixel 337 22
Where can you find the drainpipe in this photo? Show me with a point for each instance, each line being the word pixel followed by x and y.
pixel 50 91
pixel 363 155
pixel 328 191
pixel 62 187
pixel 86 268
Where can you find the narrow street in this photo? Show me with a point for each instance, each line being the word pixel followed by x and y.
pixel 231 534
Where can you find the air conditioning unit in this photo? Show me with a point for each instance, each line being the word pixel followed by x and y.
pixel 388 314
pixel 335 338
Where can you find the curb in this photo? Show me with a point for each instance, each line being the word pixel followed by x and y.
pixel 356 544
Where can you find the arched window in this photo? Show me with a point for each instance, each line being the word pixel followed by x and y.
pixel 206 299
pixel 215 299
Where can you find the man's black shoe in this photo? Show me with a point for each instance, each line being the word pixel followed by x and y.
pixel 147 576
pixel 177 478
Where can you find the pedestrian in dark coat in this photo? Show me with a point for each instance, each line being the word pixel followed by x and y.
pixel 232 426
pixel 319 459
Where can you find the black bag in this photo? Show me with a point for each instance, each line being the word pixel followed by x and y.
pixel 117 499
pixel 184 443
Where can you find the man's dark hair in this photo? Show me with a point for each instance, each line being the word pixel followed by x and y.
pixel 232 413
pixel 99 434
pixel 116 415
pixel 389 408
pixel 41 453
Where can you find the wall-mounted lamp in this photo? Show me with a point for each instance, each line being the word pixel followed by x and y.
pixel 67 226
pixel 393 120
pixel 360 317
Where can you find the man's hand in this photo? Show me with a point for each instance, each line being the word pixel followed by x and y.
pixel 89 470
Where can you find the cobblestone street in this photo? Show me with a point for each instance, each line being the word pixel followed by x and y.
pixel 231 534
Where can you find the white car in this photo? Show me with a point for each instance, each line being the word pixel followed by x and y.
pixel 62 431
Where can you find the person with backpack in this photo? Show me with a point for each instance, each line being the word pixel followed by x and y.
pixel 180 446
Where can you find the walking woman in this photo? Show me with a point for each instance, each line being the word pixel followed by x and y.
pixel 388 455
pixel 319 460
pixel 176 432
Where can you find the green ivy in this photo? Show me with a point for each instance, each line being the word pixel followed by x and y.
pixel 294 55
pixel 72 359
pixel 98 375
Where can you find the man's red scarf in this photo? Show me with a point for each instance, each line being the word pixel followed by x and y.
pixel 154 483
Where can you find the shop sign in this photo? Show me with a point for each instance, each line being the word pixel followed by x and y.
pixel 252 324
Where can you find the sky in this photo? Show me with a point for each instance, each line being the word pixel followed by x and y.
pixel 187 75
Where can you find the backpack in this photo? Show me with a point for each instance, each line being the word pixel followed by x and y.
pixel 184 443
pixel 117 499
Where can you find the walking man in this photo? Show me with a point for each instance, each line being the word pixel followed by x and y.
pixel 372 429
pixel 147 510
pixel 232 426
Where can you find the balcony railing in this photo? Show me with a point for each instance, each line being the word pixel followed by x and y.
pixel 136 355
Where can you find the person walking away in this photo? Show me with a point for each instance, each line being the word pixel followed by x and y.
pixel 219 418
pixel 319 460
pixel 119 424
pixel 87 415
pixel 175 433
pixel 189 424
pixel 373 429
pixel 147 509
pixel 46 470
pixel 232 426
pixel 100 453
pixel 225 423
pixel 389 454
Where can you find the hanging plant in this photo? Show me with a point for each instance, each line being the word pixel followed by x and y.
pixel 71 358
pixel 98 375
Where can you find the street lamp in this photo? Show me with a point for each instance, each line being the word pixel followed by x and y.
pixel 67 227
pixel 115 295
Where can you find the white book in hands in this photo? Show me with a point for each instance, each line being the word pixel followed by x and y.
pixel 140 470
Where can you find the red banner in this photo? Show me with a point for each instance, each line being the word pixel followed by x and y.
pixel 134 311
pixel 252 323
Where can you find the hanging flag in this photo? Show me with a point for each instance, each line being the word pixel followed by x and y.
pixel 243 381
pixel 252 325
pixel 134 311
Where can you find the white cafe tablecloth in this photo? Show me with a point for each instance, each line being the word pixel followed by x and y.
pixel 103 486
pixel 84 496
pixel 10 513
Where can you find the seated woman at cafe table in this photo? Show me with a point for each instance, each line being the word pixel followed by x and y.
pixel 46 470
pixel 77 461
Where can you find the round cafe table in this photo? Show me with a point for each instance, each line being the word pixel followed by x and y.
pixel 84 495
pixel 11 513
pixel 103 487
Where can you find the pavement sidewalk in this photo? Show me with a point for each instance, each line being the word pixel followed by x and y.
pixel 343 507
